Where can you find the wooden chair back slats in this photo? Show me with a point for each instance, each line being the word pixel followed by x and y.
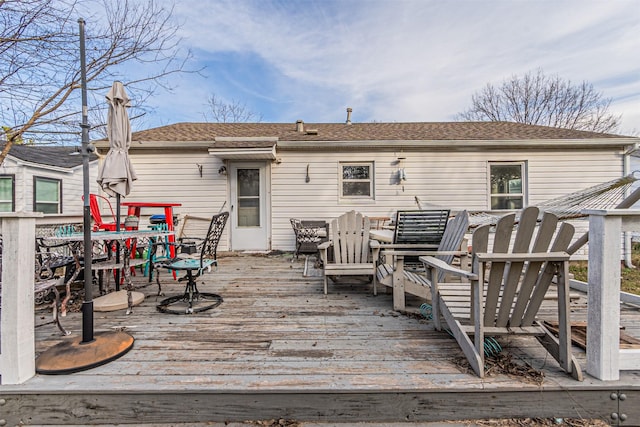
pixel 543 240
pixel 515 290
pixel 452 238
pixel 420 227
pixel 514 270
pixel 501 242
pixel 351 232
pixel 561 243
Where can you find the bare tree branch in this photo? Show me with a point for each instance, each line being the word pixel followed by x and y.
pixel 538 99
pixel 219 111
pixel 40 65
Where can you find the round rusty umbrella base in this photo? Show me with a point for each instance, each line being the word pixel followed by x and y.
pixel 75 356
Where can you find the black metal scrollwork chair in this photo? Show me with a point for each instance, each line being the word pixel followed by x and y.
pixel 195 255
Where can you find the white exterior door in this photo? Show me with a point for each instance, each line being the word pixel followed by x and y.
pixel 249 206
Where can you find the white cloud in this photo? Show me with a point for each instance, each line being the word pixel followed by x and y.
pixel 409 60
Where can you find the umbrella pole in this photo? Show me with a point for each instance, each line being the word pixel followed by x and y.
pixel 87 304
pixel 93 350
pixel 117 242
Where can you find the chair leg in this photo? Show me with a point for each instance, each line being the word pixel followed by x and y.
pixel 552 344
pixel 56 316
pixel 326 286
pixel 158 280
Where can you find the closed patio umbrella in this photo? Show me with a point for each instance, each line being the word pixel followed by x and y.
pixel 117 174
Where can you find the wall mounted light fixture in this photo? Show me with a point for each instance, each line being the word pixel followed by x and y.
pixel 199 169
pixel 307 178
pixel 222 170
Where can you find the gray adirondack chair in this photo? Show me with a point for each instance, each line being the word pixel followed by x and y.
pixel 394 272
pixel 354 253
pixel 505 299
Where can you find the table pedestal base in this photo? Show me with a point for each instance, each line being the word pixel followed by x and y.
pixel 189 303
pixel 74 356
pixel 116 301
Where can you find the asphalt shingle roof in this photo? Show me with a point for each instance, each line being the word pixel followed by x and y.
pixel 47 155
pixel 414 131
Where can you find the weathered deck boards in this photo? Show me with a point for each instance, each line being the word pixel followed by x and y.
pixel 278 347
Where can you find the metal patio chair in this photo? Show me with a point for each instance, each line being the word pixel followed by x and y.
pixel 194 257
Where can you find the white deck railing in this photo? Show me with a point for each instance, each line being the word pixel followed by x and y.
pixel 17 337
pixel 605 359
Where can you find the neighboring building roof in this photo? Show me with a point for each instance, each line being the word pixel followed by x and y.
pixel 47 155
pixel 415 131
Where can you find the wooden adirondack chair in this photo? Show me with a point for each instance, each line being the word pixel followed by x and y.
pixel 354 253
pixel 506 300
pixel 393 272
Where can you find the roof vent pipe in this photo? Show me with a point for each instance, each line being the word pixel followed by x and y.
pixel 349 110
pixel 299 126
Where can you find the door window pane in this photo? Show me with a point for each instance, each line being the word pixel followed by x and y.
pixel 248 197
pixel 507 189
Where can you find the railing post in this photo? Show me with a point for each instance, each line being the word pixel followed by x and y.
pixel 603 305
pixel 17 342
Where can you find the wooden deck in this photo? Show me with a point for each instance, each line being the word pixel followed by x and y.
pixel 278 348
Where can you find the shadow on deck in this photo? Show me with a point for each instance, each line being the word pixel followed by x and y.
pixel 277 348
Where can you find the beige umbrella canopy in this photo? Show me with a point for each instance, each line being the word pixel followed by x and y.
pixel 117 173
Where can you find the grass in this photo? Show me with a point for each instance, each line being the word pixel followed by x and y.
pixel 629 277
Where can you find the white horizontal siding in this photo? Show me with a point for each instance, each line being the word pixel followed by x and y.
pixel 72 185
pixel 456 180
pixel 174 177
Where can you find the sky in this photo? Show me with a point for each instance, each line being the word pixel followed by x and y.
pixel 395 60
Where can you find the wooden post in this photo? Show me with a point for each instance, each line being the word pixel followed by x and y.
pixel 17 360
pixel 398 284
pixel 603 307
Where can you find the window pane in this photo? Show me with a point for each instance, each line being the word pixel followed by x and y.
pixel 6 189
pixel 47 191
pixel 48 208
pixel 249 212
pixel 506 179
pixel 355 172
pixel 356 189
pixel 47 195
pixel 248 182
pixel 5 207
pixel 506 202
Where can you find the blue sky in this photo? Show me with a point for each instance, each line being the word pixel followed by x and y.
pixel 395 60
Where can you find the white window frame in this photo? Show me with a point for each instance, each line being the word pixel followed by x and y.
pixel 12 201
pixel 57 203
pixel 370 180
pixel 523 184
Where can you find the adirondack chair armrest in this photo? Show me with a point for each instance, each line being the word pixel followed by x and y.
pixel 516 257
pixel 374 245
pixel 325 245
pixel 430 261
pixel 322 248
pixel 429 252
pixel 409 246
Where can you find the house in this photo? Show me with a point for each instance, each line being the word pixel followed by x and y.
pixel 48 179
pixel 267 173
